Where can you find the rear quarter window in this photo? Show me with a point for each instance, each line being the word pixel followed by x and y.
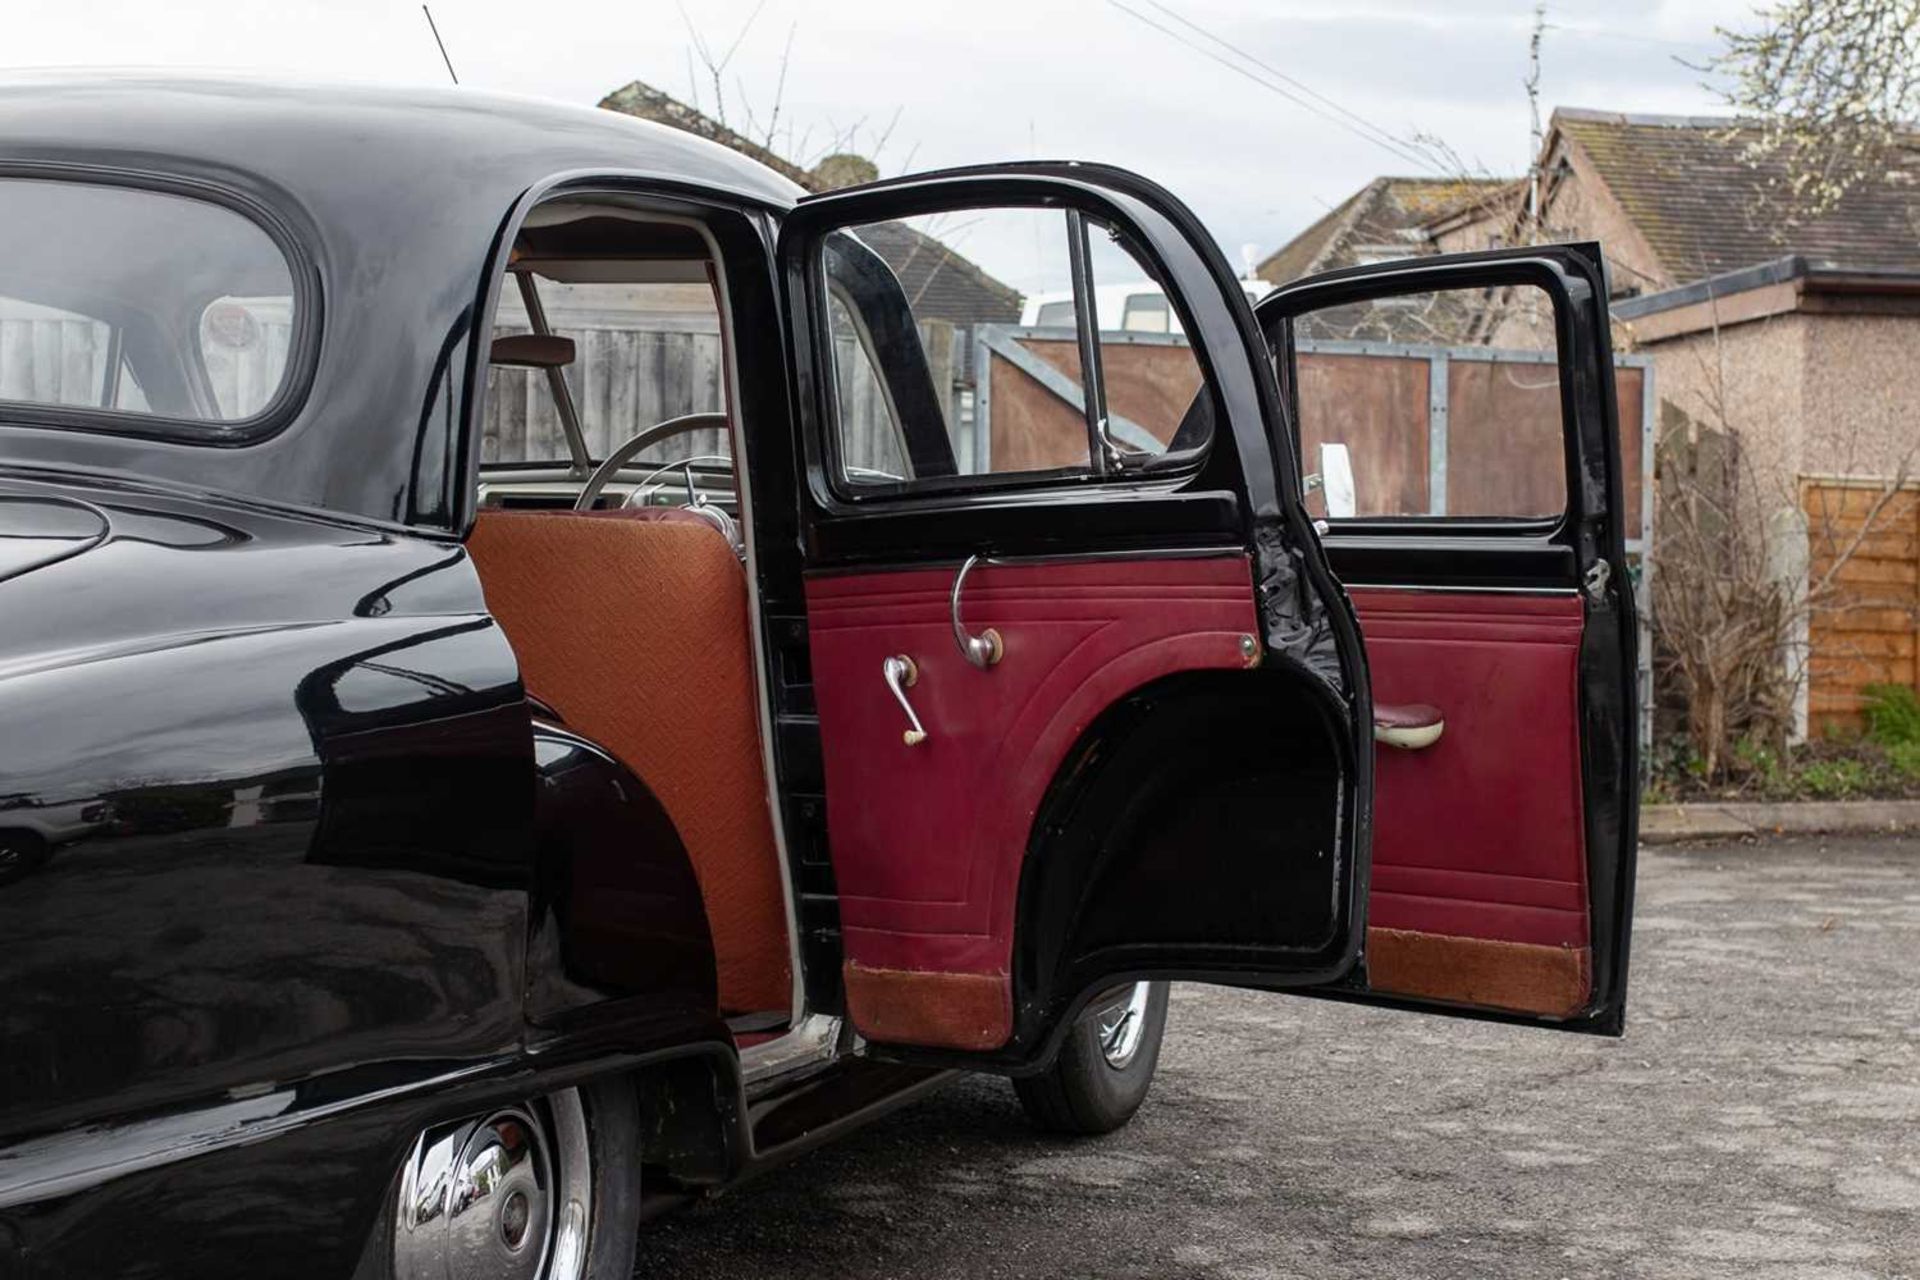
pixel 143 311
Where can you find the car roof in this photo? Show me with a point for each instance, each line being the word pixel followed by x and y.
pixel 292 132
pixel 395 198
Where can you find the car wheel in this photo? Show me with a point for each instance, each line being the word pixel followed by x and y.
pixel 1105 1066
pixel 543 1190
pixel 20 853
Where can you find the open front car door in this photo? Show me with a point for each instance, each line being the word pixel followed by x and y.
pixel 1462 414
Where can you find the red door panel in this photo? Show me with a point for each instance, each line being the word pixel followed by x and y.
pixel 927 839
pixel 1479 891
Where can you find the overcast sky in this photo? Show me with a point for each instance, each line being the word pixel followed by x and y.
pixel 996 79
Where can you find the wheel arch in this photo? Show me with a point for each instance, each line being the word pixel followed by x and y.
pixel 617 915
pixel 1152 854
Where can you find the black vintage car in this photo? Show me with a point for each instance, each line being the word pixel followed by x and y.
pixel 541 671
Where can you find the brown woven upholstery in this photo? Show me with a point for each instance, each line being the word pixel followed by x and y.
pixel 636 631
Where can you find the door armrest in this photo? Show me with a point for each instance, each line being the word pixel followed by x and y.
pixel 1408 726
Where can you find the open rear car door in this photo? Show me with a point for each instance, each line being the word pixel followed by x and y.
pixel 1465 407
pixel 1091 705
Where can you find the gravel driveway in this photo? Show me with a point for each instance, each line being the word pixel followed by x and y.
pixel 1760 1119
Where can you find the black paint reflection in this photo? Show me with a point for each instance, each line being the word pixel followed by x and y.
pixel 276 833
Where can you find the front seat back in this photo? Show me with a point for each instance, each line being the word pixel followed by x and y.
pixel 637 633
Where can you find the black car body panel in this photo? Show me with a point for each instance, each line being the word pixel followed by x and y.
pixel 326 860
pixel 312 870
pixel 395 199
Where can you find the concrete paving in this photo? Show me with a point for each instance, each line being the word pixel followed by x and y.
pixel 1760 1119
pixel 1678 823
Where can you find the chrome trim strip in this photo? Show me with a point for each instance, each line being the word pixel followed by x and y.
pixel 811 1042
pixel 60 1164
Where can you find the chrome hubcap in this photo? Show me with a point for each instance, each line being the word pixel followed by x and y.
pixel 500 1197
pixel 1120 1017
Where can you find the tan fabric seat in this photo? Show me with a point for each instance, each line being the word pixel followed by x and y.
pixel 636 631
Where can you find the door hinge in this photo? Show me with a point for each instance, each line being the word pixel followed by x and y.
pixel 1598 575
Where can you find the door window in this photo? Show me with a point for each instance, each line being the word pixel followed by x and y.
pixel 1448 403
pixel 937 384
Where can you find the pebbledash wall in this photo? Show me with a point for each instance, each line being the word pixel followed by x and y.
pixel 1812 369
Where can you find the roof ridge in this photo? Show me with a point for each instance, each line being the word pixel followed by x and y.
pixel 642 101
pixel 1429 179
pixel 1652 119
pixel 1347 216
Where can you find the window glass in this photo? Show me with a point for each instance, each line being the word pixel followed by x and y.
pixel 937 379
pixel 139 301
pixel 1448 403
pixel 873 444
pixel 644 351
pixel 245 343
pixel 1153 382
pixel 128 394
pixel 1146 313
pixel 1054 315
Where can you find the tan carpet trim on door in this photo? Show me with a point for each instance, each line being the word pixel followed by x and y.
pixel 1516 976
pixel 971 1011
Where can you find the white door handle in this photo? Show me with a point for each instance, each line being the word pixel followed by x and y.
pixel 901 674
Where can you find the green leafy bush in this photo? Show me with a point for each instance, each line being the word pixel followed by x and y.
pixel 1905 756
pixel 1760 761
pixel 1835 779
pixel 1893 714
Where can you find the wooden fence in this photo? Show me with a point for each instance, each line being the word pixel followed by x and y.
pixel 1865 541
pixel 1433 430
pixel 48 357
pixel 624 380
pixel 52 361
pixel 1470 431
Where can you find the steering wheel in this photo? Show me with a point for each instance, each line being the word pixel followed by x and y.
pixel 685 467
pixel 641 443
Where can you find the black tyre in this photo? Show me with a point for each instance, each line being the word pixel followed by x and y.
pixel 555 1193
pixel 21 854
pixel 1105 1066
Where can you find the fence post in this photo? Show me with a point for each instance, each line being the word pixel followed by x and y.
pixel 1437 434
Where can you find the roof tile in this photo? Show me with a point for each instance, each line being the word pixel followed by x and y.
pixel 1702 200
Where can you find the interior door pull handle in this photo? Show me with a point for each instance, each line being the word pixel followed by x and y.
pixel 985 649
pixel 901 674
pixel 1411 726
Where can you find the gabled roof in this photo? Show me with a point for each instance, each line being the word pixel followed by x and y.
pixel 645 102
pixel 1695 192
pixel 1386 214
pixel 938 281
